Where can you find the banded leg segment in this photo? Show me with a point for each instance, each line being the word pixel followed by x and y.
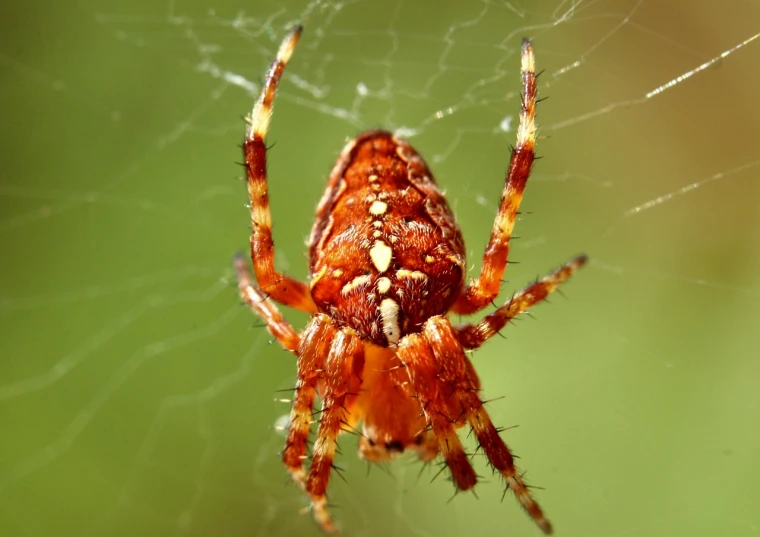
pixel 484 289
pixel 339 366
pixel 424 370
pixel 281 288
pixel 262 306
pixel 312 352
pixel 472 336
pixel 457 373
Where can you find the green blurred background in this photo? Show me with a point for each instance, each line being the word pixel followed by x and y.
pixel 137 396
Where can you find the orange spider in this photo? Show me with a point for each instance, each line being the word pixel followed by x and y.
pixel 387 263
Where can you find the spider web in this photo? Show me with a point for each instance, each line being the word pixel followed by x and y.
pixel 138 398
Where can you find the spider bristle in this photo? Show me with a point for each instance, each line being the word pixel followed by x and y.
pixel 443 466
pixel 424 466
pixel 350 429
pixel 386 469
pixel 331 505
pixel 339 472
pixel 456 491
pixel 319 411
pixel 541 72
pixel 541 99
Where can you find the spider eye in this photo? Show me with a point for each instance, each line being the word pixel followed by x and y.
pixel 394 445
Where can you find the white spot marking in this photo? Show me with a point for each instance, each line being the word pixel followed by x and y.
pixel 381 255
pixel 383 285
pixel 389 314
pixel 414 274
pixel 356 282
pixel 378 207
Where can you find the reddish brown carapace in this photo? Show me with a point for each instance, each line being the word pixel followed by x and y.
pixel 387 265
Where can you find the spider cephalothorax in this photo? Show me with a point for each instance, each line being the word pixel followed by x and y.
pixel 387 264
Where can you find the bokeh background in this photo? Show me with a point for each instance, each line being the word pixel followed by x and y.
pixel 137 395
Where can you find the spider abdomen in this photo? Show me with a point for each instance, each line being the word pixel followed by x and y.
pixel 385 251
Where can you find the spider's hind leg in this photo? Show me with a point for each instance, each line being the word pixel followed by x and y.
pixel 281 288
pixel 484 289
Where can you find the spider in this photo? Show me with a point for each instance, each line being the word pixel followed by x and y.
pixel 386 264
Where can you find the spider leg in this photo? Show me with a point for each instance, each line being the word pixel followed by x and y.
pixel 484 289
pixel 456 372
pixel 344 349
pixel 281 288
pixel 472 336
pixel 312 351
pixel 423 369
pixel 280 329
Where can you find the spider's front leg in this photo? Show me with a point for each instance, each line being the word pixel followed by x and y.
pixel 346 348
pixel 281 288
pixel 312 352
pixel 424 369
pixel 328 359
pixel 457 375
pixel 484 289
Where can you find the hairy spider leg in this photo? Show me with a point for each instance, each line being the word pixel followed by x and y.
pixel 346 347
pixel 472 336
pixel 455 371
pixel 262 306
pixel 281 288
pixel 484 289
pixel 312 352
pixel 424 371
